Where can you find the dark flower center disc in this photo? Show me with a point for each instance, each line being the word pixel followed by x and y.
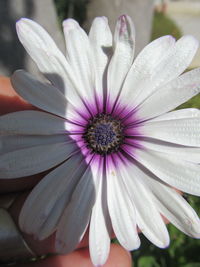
pixel 104 134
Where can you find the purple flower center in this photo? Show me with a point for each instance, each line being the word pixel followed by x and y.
pixel 104 134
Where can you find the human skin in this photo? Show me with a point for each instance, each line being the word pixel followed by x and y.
pixel 118 257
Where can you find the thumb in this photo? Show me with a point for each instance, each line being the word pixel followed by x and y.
pixel 80 257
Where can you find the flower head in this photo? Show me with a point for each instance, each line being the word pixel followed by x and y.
pixel 104 125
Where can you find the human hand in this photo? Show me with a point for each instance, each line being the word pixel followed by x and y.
pixel 11 102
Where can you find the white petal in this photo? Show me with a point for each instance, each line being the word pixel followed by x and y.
pixel 191 154
pixel 100 227
pixel 137 79
pixel 49 59
pixel 171 96
pixel 121 210
pixel 173 62
pixel 32 160
pixel 46 203
pixel 42 49
pixel 179 131
pixel 68 25
pixel 177 60
pixel 77 214
pixel 43 96
pixel 124 46
pixel 174 207
pixel 14 142
pixel 80 58
pixel 178 173
pixel 148 218
pixel 32 122
pixel 100 38
pixel 179 114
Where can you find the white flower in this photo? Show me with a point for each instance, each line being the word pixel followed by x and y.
pixel 107 129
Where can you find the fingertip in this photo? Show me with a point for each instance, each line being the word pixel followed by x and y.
pixel 118 257
pixel 9 99
pixel 6 87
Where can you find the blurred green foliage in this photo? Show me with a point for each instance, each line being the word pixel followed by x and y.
pixel 71 9
pixel 192 103
pixel 163 25
pixel 183 250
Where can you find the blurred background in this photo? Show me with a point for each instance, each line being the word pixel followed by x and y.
pixel 152 18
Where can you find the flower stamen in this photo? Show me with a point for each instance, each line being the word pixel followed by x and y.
pixel 104 134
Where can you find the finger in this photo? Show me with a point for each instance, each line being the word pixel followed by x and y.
pixel 45 246
pixel 78 258
pixel 118 257
pixel 39 247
